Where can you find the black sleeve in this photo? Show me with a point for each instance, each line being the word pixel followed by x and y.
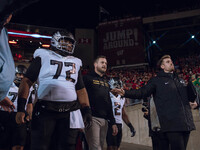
pixel 143 92
pixel 34 69
pixel 110 112
pixel 192 93
pixel 80 83
pixel 85 80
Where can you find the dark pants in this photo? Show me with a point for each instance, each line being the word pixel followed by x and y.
pixel 51 129
pixel 111 140
pixel 170 140
pixel 158 139
pixel 11 133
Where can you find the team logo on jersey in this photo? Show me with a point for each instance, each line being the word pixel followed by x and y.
pixel 102 83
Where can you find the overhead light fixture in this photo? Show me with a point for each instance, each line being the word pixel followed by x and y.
pixel 46 45
pixel 12 42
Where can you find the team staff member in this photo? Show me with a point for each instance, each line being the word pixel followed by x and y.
pixel 101 106
pixel 171 99
pixel 60 84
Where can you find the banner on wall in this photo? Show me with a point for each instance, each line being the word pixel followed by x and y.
pixel 121 41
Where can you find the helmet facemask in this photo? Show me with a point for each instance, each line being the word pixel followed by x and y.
pixel 64 44
pixel 20 71
pixel 115 83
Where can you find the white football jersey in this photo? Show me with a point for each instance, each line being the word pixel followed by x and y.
pixel 58 76
pixel 13 95
pixel 117 105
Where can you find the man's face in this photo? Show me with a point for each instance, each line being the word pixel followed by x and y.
pixel 18 78
pixel 167 65
pixel 66 45
pixel 101 65
pixel 20 75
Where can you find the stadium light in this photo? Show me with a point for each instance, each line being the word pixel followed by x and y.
pixel 12 42
pixel 31 35
pixel 192 36
pixel 154 42
pixel 46 45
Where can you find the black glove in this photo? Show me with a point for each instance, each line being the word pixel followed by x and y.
pixel 145 110
pixel 132 130
pixel 87 116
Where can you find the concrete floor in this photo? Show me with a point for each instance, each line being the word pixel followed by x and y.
pixel 130 146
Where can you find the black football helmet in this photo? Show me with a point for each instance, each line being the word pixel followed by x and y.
pixel 19 70
pixel 115 83
pixel 63 42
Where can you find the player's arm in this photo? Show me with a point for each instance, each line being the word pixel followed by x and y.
pixel 83 97
pixel 22 98
pixel 85 107
pixel 29 108
pixel 30 77
pixel 84 101
pixel 7 104
pixel 82 92
pixel 128 123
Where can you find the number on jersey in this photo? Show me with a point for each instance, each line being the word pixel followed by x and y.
pixel 59 69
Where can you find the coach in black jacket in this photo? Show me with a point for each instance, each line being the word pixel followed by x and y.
pixel 170 95
pixel 100 103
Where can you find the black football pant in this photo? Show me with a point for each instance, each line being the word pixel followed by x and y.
pixel 50 130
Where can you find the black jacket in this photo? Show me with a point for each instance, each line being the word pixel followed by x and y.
pixel 99 97
pixel 171 100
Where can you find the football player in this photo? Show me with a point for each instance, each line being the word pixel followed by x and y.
pixel 13 135
pixel 60 91
pixel 113 142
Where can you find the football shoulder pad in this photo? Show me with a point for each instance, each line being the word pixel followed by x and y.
pixel 40 53
pixel 75 59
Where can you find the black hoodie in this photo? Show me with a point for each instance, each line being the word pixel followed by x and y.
pixel 171 100
pixel 99 97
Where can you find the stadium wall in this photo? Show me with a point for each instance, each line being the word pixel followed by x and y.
pixel 142 132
